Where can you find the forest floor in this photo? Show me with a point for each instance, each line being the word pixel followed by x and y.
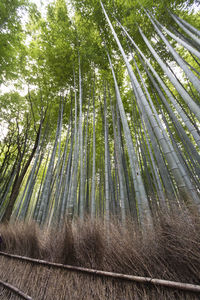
pixel 171 252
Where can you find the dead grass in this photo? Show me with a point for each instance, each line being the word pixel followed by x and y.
pixel 171 252
pixel 21 238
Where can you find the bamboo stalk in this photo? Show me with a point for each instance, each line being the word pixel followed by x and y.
pixel 15 290
pixel 148 280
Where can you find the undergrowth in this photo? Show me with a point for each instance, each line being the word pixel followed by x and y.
pixel 170 251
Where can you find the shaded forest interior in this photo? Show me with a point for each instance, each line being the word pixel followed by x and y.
pixel 100 146
pixel 109 124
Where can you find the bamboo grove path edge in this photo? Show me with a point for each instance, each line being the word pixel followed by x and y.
pixel 139 279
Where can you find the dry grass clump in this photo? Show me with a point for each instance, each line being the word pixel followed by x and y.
pixel 89 243
pixel 21 238
pixel 178 239
pixel 171 251
pixel 59 246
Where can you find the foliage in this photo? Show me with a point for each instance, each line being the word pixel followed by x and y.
pixel 64 63
pixel 11 37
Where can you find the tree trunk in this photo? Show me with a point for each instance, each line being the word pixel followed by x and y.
pixel 18 182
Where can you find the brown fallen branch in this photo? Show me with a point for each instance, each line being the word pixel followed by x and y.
pixel 154 281
pixel 15 290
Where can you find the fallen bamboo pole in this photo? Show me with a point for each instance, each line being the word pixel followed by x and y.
pixel 15 290
pixel 148 280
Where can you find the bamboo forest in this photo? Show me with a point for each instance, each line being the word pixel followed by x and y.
pixel 100 122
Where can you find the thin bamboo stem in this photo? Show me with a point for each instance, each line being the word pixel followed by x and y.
pixel 148 280
pixel 15 290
